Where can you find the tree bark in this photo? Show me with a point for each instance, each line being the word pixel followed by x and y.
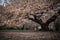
pixel 45 27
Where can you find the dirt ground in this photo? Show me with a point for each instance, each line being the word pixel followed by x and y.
pixel 29 35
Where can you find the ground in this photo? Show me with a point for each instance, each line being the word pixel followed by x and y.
pixel 29 35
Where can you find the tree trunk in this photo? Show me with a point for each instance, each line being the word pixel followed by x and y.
pixel 44 27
